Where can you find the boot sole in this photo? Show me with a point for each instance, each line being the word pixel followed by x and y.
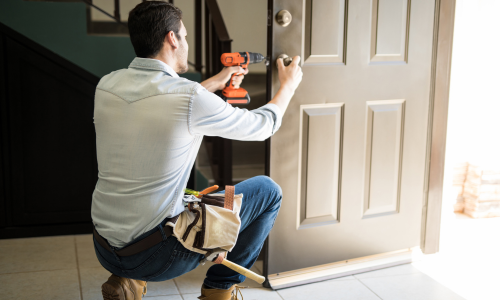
pixel 112 291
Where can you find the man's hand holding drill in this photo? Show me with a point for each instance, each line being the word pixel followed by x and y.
pixel 218 82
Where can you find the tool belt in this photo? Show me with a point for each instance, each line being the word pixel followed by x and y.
pixel 211 225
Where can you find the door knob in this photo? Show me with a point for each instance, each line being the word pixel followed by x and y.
pixel 284 18
pixel 286 59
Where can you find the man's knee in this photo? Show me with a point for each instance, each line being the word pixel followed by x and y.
pixel 272 187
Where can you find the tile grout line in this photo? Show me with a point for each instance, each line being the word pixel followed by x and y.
pixel 78 269
pixel 279 294
pixel 178 289
pixel 368 288
pixel 36 271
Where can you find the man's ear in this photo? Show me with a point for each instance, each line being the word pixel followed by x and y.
pixel 172 40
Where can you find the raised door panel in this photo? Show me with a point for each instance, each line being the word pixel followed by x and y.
pixel 325 31
pixel 320 153
pixel 383 148
pixel 389 30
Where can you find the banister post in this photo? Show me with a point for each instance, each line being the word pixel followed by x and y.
pixel 117 10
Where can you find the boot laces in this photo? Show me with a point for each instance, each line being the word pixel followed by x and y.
pixel 237 289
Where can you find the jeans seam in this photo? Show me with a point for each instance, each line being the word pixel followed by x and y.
pixel 148 260
pixel 165 268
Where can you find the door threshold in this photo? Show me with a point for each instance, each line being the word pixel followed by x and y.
pixel 343 268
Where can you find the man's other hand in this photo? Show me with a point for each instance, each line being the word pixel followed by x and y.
pixel 218 82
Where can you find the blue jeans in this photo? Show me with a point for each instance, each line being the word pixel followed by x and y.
pixel 169 259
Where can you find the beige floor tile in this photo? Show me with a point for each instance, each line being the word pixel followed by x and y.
pixel 409 287
pixel 392 271
pixel 163 288
pixel 37 254
pixel 248 294
pixel 91 280
pixel 46 285
pixel 191 282
pixel 170 297
pixel 85 251
pixel 337 289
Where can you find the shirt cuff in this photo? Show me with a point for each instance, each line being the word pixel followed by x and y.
pixel 277 115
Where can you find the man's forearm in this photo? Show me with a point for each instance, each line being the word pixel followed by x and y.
pixel 211 84
pixel 283 97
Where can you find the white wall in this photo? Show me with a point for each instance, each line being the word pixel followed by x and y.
pixel 245 20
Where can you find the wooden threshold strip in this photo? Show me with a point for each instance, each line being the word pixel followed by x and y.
pixel 343 268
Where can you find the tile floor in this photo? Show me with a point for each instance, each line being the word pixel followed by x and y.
pixel 65 267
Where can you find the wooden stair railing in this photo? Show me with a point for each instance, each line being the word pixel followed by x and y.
pixel 217 42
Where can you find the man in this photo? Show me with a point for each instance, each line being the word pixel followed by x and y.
pixel 149 125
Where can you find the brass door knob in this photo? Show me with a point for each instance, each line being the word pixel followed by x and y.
pixel 287 60
pixel 284 18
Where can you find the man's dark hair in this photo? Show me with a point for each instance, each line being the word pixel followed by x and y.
pixel 148 24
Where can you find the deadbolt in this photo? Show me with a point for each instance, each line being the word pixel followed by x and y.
pixel 284 17
pixel 287 60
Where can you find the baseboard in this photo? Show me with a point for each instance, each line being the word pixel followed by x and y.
pixel 343 268
pixel 45 230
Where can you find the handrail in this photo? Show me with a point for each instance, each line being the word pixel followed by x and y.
pixel 117 11
pixel 218 21
pixel 217 42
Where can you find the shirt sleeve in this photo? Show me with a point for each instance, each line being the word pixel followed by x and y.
pixel 212 116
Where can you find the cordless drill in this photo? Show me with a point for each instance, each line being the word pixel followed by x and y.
pixel 242 59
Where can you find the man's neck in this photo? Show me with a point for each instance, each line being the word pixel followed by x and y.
pixel 168 59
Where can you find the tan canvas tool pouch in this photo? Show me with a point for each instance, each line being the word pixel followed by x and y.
pixel 211 224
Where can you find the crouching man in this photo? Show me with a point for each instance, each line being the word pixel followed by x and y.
pixel 149 124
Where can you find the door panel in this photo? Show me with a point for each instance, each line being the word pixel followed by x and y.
pixel 350 154
pixel 324 36
pixel 320 143
pixel 384 124
pixel 389 30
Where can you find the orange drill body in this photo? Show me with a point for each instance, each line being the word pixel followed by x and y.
pixel 242 59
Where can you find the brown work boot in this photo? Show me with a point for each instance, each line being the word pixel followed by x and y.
pixel 119 288
pixel 218 294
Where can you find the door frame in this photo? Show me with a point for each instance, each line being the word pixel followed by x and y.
pixel 444 19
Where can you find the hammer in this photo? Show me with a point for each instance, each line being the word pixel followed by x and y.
pixel 221 259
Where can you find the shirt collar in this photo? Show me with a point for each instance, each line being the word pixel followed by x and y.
pixel 152 64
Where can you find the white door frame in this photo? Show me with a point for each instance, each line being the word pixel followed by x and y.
pixel 438 117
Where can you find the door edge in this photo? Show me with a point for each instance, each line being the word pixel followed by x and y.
pixel 343 268
pixel 437 124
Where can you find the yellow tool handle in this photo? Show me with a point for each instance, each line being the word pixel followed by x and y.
pixel 243 271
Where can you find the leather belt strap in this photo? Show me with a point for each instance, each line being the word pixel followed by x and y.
pixel 229 197
pixel 137 247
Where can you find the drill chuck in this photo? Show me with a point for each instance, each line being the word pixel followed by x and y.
pixel 255 57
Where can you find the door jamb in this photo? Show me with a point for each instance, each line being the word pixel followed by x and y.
pixel 438 116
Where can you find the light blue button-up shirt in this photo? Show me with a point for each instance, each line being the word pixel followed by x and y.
pixel 149 125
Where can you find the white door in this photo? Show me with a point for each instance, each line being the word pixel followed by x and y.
pixel 350 154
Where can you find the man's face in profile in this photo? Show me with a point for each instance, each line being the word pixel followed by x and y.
pixel 182 51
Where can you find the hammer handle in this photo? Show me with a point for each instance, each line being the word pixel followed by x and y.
pixel 243 271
